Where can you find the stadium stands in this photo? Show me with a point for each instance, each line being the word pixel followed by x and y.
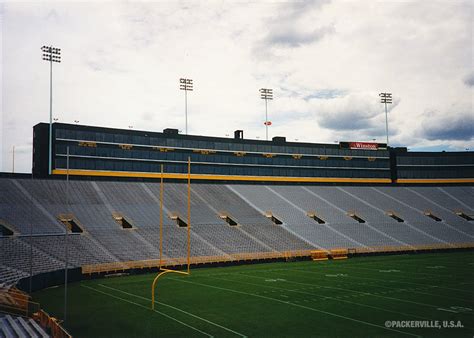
pixel 17 326
pixel 35 205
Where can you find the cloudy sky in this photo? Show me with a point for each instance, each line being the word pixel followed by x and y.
pixel 325 60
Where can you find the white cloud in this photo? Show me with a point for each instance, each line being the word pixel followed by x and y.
pixel 326 62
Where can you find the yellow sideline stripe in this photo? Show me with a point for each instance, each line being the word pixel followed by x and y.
pixel 436 180
pixel 80 172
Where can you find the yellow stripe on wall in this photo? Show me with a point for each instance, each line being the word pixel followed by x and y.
pixel 435 180
pixel 80 172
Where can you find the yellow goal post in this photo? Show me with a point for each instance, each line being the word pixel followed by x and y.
pixel 163 271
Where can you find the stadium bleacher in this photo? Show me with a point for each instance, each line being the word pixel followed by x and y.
pixel 17 326
pixel 34 205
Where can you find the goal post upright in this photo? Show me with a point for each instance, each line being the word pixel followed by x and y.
pixel 189 212
pixel 162 271
pixel 161 217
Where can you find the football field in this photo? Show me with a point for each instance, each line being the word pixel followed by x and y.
pixel 429 295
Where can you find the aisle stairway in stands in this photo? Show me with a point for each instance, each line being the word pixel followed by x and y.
pixel 120 220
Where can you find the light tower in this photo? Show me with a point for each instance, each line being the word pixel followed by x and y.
pixel 266 94
pixel 186 85
pixel 51 55
pixel 386 98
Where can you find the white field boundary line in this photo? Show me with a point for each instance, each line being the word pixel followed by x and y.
pixel 388 281
pixel 296 305
pixel 401 257
pixel 408 290
pixel 407 264
pixel 354 291
pixel 175 308
pixel 368 278
pixel 390 266
pixel 400 260
pixel 282 269
pixel 431 286
pixel 328 266
pixel 427 278
pixel 336 299
pixel 323 297
pixel 147 308
pixel 394 289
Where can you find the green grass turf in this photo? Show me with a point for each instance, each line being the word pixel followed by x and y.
pixel 346 298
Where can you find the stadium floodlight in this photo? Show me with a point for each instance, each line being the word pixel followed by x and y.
pixel 266 94
pixel 186 85
pixel 51 54
pixel 386 98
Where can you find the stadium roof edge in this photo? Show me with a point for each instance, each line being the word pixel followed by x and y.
pixel 192 137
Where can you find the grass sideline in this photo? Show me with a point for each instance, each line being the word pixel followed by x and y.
pixel 354 297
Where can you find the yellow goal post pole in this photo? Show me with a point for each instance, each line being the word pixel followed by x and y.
pixel 165 271
pixel 161 217
pixel 189 212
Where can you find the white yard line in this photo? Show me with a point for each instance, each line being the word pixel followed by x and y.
pixel 355 291
pixel 324 297
pixel 147 308
pixel 394 280
pixel 175 308
pixel 296 305
pixel 397 289
pixel 345 266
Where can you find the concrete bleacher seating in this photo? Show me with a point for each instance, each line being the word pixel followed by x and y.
pixel 22 327
pixel 35 205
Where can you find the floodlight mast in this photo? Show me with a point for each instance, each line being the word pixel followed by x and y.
pixel 386 98
pixel 266 94
pixel 51 55
pixel 186 85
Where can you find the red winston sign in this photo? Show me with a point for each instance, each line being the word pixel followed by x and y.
pixel 364 145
